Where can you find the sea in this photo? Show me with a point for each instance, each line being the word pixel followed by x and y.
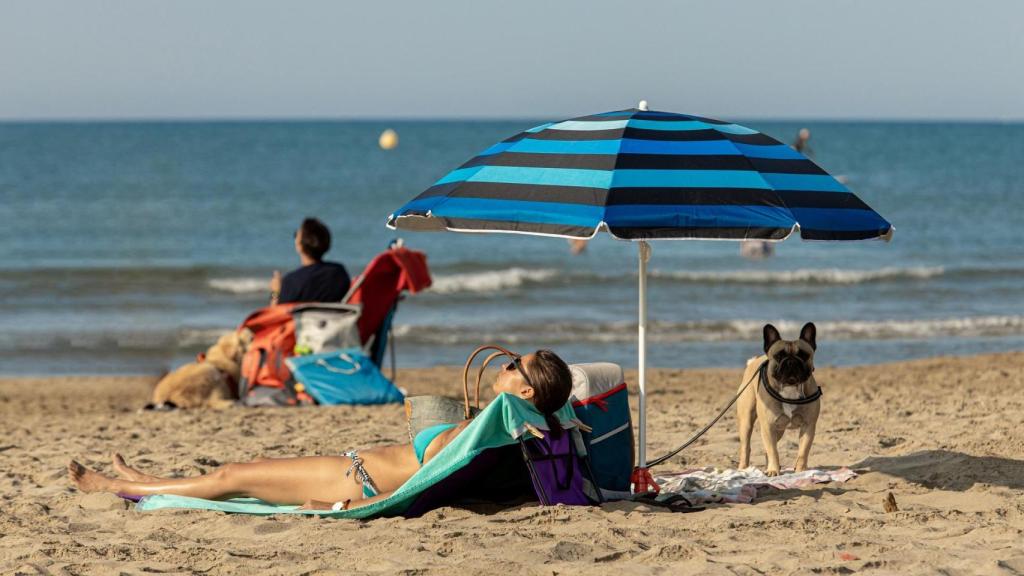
pixel 126 248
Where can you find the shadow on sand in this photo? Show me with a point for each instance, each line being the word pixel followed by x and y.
pixel 947 470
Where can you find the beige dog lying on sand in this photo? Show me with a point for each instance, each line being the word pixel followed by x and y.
pixel 210 381
pixel 781 395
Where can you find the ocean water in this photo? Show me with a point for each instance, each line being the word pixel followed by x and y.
pixel 127 248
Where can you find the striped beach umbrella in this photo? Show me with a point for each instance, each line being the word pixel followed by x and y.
pixel 643 175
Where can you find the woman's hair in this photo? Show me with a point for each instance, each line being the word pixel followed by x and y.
pixel 552 384
pixel 316 238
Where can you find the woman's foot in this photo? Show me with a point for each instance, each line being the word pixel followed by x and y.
pixel 89 480
pixel 127 472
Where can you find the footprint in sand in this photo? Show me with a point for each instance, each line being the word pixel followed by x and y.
pixel 570 551
pixel 1014 565
pixel 271 528
pixel 82 527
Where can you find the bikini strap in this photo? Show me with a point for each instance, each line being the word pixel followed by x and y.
pixel 369 488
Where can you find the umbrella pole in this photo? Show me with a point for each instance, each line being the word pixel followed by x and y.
pixel 642 481
pixel 645 255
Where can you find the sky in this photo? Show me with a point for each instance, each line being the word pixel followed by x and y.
pixel 185 59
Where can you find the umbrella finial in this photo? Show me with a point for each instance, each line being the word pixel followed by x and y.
pixel 642 106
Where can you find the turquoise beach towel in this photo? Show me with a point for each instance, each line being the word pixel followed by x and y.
pixel 500 424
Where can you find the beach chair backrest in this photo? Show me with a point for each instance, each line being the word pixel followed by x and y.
pixel 379 287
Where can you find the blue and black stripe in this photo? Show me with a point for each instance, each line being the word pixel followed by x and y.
pixel 644 175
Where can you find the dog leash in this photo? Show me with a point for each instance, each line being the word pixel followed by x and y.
pixel 704 430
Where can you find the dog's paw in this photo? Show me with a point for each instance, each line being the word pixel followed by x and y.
pixel 772 472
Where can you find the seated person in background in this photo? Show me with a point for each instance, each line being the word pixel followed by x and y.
pixel 316 280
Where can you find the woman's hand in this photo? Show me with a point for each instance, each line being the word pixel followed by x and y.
pixel 316 505
pixel 275 287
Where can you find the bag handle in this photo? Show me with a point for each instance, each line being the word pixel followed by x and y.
pixel 356 366
pixel 500 351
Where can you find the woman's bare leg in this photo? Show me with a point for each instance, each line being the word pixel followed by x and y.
pixel 279 481
pixel 129 473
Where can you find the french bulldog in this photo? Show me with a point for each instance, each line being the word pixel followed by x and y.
pixel 780 395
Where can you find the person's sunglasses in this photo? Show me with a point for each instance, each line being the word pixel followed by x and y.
pixel 517 364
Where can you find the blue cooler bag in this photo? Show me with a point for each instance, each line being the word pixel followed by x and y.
pixel 601 401
pixel 343 377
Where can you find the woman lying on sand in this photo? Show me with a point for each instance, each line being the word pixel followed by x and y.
pixel 352 480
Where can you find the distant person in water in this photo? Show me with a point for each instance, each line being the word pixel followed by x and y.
pixel 802 142
pixel 577 246
pixel 756 249
pixel 316 280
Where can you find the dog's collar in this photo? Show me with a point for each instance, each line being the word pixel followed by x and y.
pixel 774 394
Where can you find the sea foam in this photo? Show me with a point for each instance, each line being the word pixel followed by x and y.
pixel 802 276
pixel 490 280
pixel 553 332
pixel 499 280
pixel 240 285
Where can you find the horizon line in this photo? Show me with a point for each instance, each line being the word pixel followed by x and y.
pixel 498 118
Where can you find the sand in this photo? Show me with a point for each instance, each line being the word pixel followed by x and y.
pixel 945 436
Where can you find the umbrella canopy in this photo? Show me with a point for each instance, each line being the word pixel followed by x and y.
pixel 643 175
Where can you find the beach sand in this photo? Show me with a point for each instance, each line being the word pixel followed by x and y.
pixel 944 435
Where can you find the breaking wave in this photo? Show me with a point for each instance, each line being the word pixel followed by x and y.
pixel 492 280
pixel 803 276
pixel 711 331
pixel 468 282
pixel 112 341
pixel 503 280
pixel 240 285
pixel 550 332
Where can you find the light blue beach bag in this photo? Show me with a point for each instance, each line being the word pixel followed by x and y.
pixel 343 377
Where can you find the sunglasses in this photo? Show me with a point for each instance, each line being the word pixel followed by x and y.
pixel 517 364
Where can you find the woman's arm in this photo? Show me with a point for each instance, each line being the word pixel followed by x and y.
pixel 321 505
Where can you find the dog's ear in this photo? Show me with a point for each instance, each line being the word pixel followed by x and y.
pixel 808 334
pixel 771 336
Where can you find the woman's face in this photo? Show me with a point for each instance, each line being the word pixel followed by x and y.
pixel 511 380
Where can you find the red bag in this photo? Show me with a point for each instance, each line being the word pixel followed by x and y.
pixel 273 340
